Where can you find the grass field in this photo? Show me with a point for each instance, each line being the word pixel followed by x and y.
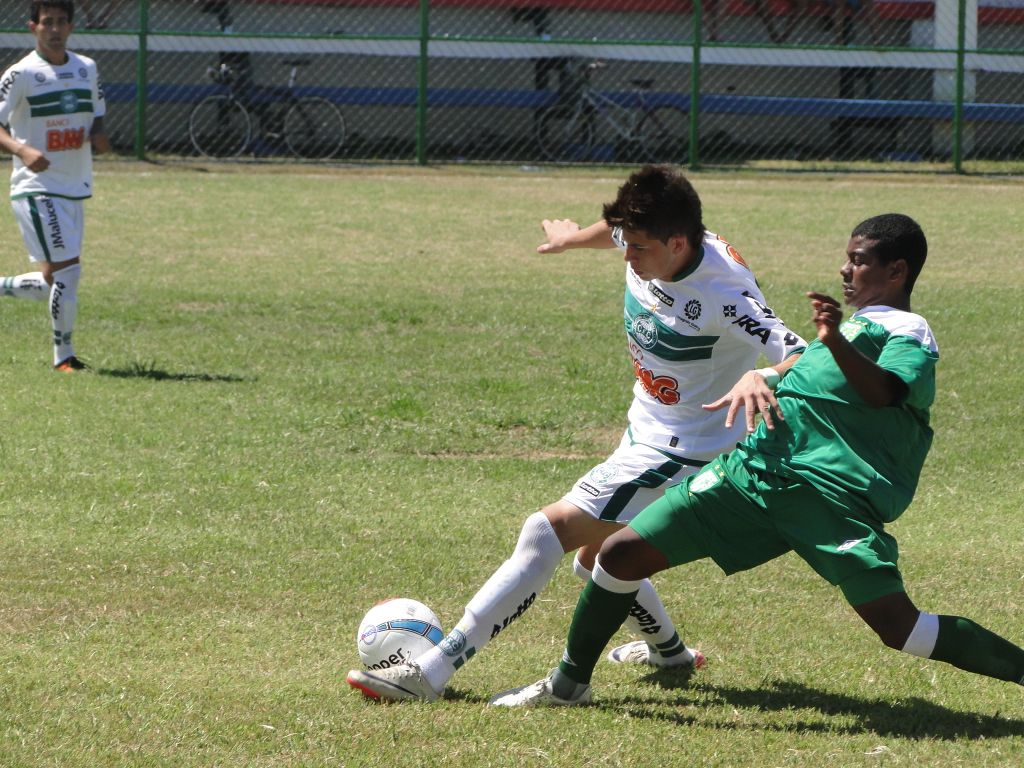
pixel 313 390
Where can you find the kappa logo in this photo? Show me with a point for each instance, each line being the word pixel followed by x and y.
pixel 645 330
pixel 692 309
pixel 848 544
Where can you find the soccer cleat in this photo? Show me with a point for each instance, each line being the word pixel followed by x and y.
pixel 639 652
pixel 540 694
pixel 70 365
pixel 402 682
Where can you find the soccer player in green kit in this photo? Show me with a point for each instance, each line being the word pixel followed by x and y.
pixel 844 456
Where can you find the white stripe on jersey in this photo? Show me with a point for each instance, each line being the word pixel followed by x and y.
pixel 900 323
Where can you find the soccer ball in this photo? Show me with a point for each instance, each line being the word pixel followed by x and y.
pixel 396 631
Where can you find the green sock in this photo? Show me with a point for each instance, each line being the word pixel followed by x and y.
pixel 969 646
pixel 599 614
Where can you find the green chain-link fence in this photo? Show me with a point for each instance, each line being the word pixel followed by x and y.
pixel 712 82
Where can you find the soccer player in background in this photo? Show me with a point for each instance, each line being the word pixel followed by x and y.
pixel 696 324
pixel 850 439
pixel 52 101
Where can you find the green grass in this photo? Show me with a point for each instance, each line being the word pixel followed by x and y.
pixel 318 388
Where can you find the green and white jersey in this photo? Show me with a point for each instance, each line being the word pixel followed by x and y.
pixel 52 107
pixel 865 459
pixel 691 338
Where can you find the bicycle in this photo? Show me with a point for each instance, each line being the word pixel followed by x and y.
pixel 222 125
pixel 566 130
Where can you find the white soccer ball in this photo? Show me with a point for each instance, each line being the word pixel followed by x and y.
pixel 396 631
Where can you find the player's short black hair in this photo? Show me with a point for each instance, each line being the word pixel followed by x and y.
pixel 896 236
pixel 68 6
pixel 659 201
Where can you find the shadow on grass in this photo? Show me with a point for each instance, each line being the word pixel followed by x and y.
pixel 911 718
pixel 151 372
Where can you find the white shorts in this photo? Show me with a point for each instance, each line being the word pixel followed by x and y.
pixel 633 477
pixel 51 227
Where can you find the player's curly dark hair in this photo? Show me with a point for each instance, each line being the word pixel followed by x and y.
pixel 659 201
pixel 68 6
pixel 896 236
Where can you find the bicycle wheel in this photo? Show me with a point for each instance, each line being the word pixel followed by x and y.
pixel 219 126
pixel 314 128
pixel 662 135
pixel 565 133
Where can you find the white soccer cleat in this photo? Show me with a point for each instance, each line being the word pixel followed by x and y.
pixel 639 652
pixel 539 694
pixel 402 682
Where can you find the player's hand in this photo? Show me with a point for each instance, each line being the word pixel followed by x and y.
pixel 752 394
pixel 826 314
pixel 558 232
pixel 33 159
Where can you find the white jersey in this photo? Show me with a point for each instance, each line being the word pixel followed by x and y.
pixel 52 108
pixel 691 338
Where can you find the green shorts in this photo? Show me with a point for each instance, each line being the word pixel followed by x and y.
pixel 742 519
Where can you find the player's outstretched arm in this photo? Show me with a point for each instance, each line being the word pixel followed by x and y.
pixel 876 386
pixel 563 234
pixel 754 394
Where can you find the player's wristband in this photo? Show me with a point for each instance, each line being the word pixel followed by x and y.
pixel 771 377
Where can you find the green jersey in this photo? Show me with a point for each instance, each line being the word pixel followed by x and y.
pixel 864 458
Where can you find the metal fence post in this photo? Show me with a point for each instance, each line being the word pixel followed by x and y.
pixel 141 81
pixel 695 86
pixel 958 102
pixel 421 90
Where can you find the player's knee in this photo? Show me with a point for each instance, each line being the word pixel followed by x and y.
pixel 626 556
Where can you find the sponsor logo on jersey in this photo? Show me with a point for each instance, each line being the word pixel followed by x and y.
pixel 589 489
pixel 692 309
pixel 454 644
pixel 729 310
pixel 603 473
pixel 848 544
pixel 83 73
pixel 53 223
pixel 8 81
pixel 40 77
pixel 509 619
pixel 664 389
pixel 66 76
pixel 59 140
pixel 645 330
pixel 754 328
pixel 663 297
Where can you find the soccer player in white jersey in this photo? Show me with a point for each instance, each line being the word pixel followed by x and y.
pixel 843 460
pixel 696 325
pixel 52 102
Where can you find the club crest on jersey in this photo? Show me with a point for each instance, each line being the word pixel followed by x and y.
pixel 603 473
pixel 645 330
pixel 851 329
pixel 68 102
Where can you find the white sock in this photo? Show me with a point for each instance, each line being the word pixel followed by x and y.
pixel 649 619
pixel 31 285
pixel 500 601
pixel 921 641
pixel 63 308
